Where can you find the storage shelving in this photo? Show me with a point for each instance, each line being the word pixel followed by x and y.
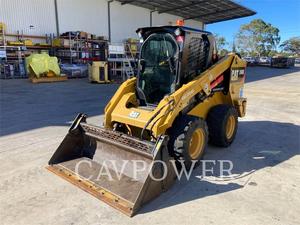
pixel 121 62
pixel 76 48
pixel 70 48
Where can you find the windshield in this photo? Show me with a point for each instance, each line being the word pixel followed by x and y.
pixel 158 67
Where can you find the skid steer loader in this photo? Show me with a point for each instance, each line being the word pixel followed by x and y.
pixel 181 97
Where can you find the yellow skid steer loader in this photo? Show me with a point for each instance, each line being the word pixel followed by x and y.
pixel 182 97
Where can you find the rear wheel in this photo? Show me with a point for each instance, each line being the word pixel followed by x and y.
pixel 222 123
pixel 188 139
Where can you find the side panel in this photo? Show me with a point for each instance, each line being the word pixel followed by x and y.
pixel 186 93
pixel 202 109
pixel 237 80
pixel 127 87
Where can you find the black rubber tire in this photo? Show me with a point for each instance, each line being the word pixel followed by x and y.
pixel 217 120
pixel 180 136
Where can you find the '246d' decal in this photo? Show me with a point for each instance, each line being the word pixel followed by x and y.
pixel 237 73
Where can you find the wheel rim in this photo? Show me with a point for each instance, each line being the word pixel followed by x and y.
pixel 196 143
pixel 230 127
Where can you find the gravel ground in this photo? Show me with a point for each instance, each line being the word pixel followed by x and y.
pixel 35 118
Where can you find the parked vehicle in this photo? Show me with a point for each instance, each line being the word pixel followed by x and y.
pixel 250 60
pixel 264 60
pixel 297 61
pixel 161 115
pixel 282 62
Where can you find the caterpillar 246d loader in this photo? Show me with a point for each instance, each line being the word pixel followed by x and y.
pixel 182 97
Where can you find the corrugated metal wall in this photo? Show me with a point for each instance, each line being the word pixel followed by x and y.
pixel 21 14
pixel 85 15
pixel 125 19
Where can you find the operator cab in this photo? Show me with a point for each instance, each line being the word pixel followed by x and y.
pixel 171 56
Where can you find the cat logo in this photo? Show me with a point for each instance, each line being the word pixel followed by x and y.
pixel 134 114
pixel 236 74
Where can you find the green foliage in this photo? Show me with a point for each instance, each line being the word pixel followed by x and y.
pixel 220 42
pixel 292 46
pixel 257 38
pixel 223 52
pixel 273 53
pixel 233 46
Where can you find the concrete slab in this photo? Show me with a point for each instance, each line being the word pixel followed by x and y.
pixel 35 117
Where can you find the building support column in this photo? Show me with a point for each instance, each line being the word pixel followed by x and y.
pixel 151 17
pixel 108 19
pixel 56 18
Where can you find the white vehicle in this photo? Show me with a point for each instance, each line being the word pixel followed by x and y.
pixel 249 60
pixel 264 60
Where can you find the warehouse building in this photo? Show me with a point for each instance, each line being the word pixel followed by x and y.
pixel 118 19
pixel 49 16
pixel 78 32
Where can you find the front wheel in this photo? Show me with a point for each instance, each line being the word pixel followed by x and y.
pixel 188 139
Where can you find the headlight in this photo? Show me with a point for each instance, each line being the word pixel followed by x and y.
pixel 140 34
pixel 177 32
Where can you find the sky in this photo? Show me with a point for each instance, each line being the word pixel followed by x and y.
pixel 283 14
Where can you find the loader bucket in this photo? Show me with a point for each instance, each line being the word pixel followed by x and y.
pixel 116 168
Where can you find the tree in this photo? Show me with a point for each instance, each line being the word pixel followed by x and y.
pixel 223 52
pixel 220 42
pixel 257 38
pixel 233 46
pixel 292 45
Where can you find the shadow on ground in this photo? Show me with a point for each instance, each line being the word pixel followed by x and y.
pixel 256 73
pixel 258 144
pixel 25 106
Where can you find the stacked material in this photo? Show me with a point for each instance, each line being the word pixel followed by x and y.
pixel 43 68
pixel 42 65
pixel 75 70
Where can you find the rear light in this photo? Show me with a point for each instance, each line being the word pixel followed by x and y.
pixel 180 39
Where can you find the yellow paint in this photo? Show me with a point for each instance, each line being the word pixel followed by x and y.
pixel 197 142
pixel 94 71
pixel 230 127
pixel 117 110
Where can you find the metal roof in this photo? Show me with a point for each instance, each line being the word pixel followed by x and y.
pixel 171 29
pixel 207 11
